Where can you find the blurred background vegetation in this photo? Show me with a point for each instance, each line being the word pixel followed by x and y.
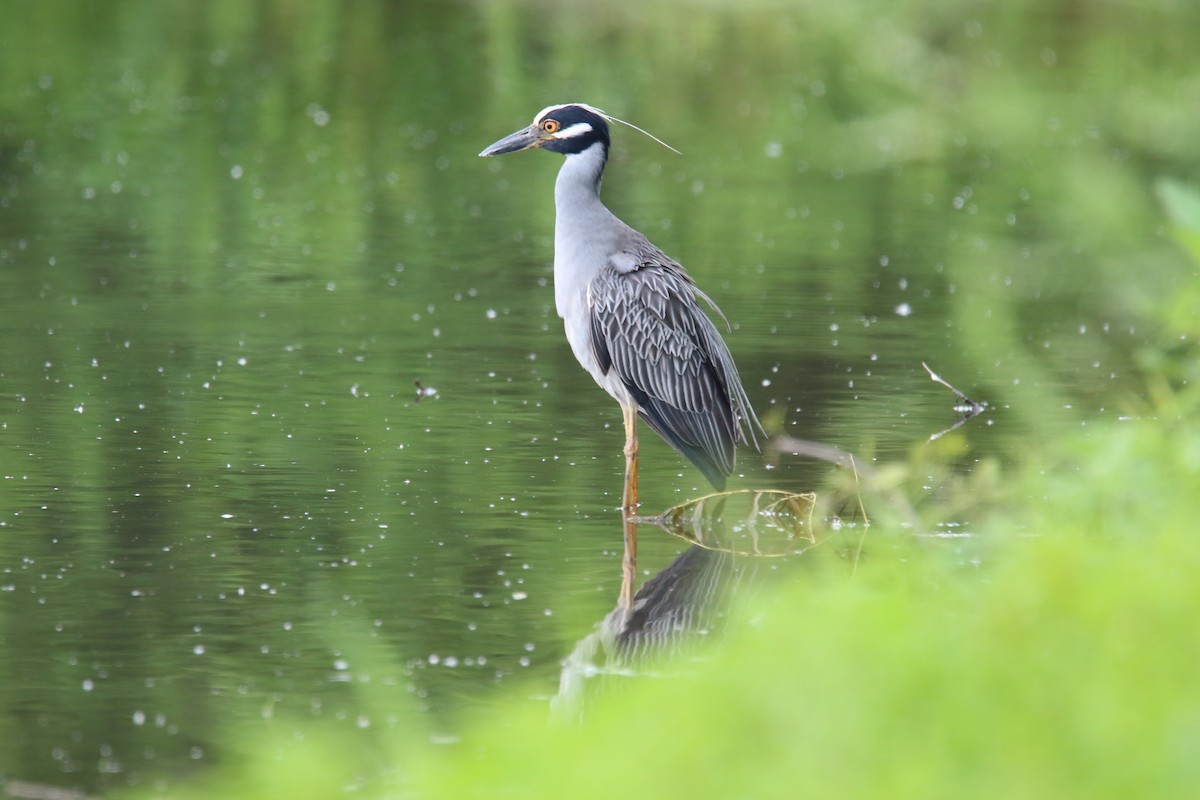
pixel 237 558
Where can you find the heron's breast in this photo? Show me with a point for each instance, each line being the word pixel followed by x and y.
pixel 577 322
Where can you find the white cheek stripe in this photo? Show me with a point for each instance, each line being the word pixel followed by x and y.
pixel 578 129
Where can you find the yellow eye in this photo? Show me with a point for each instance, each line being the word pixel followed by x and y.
pixel 550 126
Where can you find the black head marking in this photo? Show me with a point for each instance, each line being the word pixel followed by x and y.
pixel 572 128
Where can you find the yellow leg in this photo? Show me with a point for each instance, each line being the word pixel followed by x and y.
pixel 629 504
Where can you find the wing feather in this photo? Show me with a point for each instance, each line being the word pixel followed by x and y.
pixel 648 327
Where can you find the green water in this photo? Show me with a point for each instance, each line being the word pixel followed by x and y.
pixel 233 236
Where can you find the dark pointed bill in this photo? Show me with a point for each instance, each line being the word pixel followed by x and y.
pixel 521 140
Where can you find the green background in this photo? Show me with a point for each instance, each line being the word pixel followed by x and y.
pixel 233 235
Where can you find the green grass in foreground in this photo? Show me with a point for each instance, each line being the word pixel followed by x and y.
pixel 1065 665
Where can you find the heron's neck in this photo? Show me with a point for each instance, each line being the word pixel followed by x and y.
pixel 584 230
pixel 577 189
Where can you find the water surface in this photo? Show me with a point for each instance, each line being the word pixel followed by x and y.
pixel 232 239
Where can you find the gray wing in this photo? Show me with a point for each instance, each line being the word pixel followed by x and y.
pixel 648 327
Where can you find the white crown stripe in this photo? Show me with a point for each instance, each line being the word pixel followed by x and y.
pixel 578 129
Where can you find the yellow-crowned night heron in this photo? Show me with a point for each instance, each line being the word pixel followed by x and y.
pixel 632 314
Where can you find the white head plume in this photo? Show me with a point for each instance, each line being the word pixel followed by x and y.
pixel 608 117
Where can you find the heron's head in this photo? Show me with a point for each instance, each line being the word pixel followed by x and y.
pixel 567 129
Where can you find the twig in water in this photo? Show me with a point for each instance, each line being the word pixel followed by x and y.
pixel 967 407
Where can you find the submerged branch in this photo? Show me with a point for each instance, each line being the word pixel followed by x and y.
pixel 967 407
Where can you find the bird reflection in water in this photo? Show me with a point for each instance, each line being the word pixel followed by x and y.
pixel 671 616
pixel 690 602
